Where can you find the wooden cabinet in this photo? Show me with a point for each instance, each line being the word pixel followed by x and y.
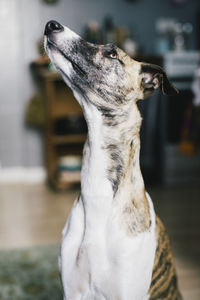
pixel 59 102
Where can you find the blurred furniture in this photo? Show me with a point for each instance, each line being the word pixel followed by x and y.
pixel 59 103
pixel 180 167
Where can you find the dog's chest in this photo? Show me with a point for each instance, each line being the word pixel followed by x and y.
pixel 102 262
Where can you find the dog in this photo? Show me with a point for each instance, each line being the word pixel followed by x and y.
pixel 114 247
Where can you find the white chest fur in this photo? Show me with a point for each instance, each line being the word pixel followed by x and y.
pixel 99 261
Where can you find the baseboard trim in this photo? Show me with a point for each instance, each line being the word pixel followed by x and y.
pixel 23 175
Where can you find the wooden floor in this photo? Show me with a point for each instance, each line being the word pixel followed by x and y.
pixel 34 215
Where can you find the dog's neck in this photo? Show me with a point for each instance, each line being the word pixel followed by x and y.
pixel 111 168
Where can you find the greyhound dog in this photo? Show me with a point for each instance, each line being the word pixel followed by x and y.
pixel 113 247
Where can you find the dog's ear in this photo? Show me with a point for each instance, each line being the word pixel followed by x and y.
pixel 153 77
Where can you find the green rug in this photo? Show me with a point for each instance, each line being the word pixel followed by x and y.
pixel 30 274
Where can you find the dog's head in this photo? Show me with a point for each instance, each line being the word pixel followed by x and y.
pixel 101 74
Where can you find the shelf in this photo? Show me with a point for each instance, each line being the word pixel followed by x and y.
pixel 66 177
pixel 64 185
pixel 59 102
pixel 43 71
pixel 50 75
pixel 66 180
pixel 66 139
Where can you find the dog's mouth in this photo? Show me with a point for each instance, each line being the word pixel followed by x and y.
pixel 76 67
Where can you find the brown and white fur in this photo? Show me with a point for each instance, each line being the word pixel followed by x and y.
pixel 113 247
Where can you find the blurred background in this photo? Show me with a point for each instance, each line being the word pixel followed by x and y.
pixel 42 132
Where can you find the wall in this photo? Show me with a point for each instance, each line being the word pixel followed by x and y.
pixel 21 25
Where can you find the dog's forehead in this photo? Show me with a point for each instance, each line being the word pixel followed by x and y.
pixel 132 67
pixel 129 62
pixel 123 56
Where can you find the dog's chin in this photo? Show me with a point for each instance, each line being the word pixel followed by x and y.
pixel 63 66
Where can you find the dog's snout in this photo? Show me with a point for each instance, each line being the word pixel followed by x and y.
pixel 53 26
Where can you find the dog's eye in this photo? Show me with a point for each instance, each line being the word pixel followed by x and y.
pixel 112 54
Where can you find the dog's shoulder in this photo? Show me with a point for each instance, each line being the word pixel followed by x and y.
pixel 164 280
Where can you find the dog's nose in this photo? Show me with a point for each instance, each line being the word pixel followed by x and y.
pixel 53 26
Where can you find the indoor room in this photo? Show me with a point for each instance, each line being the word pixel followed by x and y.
pixel 131 94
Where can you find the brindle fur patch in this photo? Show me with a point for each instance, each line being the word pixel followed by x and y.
pixel 164 281
pixel 113 118
pixel 136 215
pixel 116 169
pixel 123 154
